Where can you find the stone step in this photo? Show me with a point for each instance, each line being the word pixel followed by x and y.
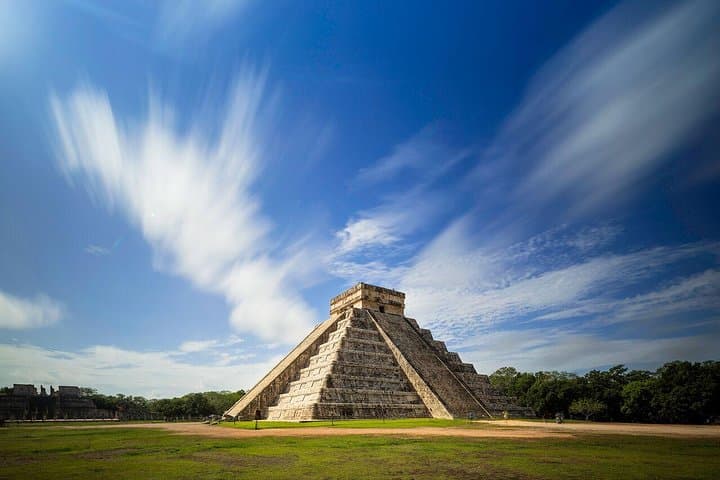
pixel 311 381
pixel 395 381
pixel 321 359
pixel 288 399
pixel 353 395
pixel 354 369
pixel 360 364
pixel 368 358
pixel 414 323
pixel 359 320
pixel 327 410
pixel 337 335
pixel 365 381
pixel 361 344
pixel 363 333
pixel 315 371
pixel 440 347
pixel 452 358
pixel 291 413
pixel 461 367
pixel 329 346
pixel 426 335
pixel 302 389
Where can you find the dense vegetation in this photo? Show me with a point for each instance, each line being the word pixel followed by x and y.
pixel 677 392
pixel 192 405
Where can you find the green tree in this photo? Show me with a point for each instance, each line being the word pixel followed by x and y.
pixel 503 379
pixel 606 387
pixel 637 400
pixel 196 405
pixel 687 392
pixel 587 407
pixel 552 392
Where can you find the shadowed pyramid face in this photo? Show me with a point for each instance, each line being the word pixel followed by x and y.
pixel 370 297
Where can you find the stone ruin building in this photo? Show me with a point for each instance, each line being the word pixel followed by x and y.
pixel 24 402
pixel 369 360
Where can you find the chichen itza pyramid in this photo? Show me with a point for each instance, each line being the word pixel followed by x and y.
pixel 370 361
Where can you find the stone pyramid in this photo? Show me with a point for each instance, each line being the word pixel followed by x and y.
pixel 370 361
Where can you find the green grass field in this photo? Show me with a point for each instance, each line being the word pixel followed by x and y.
pixel 51 452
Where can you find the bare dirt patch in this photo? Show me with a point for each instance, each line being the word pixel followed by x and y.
pixel 682 431
pixel 231 460
pixel 497 429
pixel 106 454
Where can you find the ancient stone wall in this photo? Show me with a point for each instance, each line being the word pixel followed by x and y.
pixel 371 297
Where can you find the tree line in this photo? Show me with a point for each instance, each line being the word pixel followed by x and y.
pixel 192 405
pixel 677 392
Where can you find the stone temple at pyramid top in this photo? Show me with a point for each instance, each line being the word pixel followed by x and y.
pixel 371 297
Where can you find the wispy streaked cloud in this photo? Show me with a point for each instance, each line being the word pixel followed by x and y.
pixel 100 251
pixel 556 349
pixel 395 220
pixel 461 289
pixel 194 346
pixel 611 108
pixel 187 23
pixel 425 155
pixel 97 250
pixel 189 195
pixel 423 159
pixel 459 284
pixel 21 313
pixel 113 370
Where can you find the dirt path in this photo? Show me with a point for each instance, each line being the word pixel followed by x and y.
pixel 492 429
pixel 223 432
pixel 711 431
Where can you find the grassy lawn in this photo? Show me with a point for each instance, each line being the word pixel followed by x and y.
pixel 47 452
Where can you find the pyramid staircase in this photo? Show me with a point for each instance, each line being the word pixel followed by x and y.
pixel 353 375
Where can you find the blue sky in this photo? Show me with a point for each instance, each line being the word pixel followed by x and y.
pixel 185 185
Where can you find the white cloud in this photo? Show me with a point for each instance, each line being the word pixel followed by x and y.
pixel 425 154
pixel 610 108
pixel 97 250
pixel 115 370
pixel 214 346
pixel 189 195
pixel 21 313
pixel 462 283
pixel 688 295
pixel 553 349
pixel 192 346
pixel 425 157
pixel 366 231
pixel 458 288
pixel 389 224
pixel 185 23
